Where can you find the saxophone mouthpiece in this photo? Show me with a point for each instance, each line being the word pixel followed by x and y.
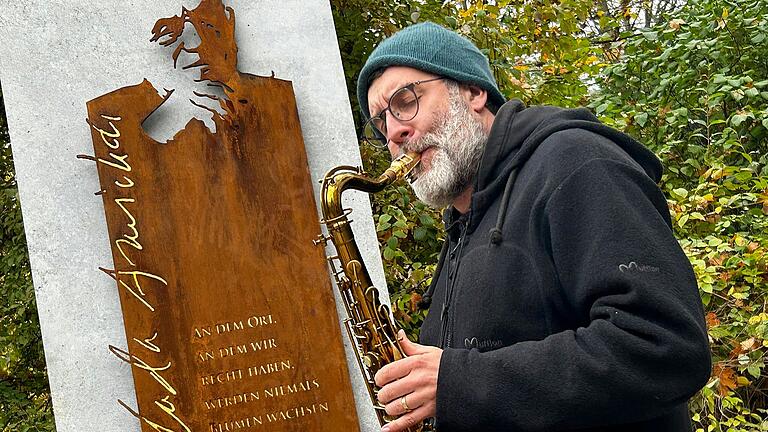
pixel 405 165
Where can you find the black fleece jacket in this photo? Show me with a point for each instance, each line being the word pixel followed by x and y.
pixel 562 300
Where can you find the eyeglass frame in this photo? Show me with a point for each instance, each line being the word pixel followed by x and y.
pixel 381 140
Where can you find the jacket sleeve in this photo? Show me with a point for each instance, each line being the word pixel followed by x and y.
pixel 642 349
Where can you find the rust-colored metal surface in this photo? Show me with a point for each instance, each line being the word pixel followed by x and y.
pixel 227 304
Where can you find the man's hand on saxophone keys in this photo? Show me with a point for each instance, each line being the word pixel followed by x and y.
pixel 409 386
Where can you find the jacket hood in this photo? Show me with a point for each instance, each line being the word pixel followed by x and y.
pixel 517 132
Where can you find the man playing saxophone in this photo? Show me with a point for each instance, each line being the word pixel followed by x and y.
pixel 561 300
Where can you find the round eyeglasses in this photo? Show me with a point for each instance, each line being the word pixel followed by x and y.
pixel 403 104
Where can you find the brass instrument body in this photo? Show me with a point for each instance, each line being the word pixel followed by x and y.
pixel 369 323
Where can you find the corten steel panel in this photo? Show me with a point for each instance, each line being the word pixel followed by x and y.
pixel 227 305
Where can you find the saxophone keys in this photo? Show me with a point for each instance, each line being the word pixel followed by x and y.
pixel 372 361
pixel 384 310
pixel 321 240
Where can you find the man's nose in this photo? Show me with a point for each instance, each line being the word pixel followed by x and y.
pixel 398 132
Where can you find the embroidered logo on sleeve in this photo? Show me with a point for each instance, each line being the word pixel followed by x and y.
pixel 635 267
pixel 482 344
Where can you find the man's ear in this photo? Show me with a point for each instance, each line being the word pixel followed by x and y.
pixel 475 96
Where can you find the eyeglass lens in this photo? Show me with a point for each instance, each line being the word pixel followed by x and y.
pixel 404 105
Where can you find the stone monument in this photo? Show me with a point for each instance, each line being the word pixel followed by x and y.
pixel 90 50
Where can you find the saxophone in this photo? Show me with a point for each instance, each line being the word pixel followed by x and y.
pixel 369 324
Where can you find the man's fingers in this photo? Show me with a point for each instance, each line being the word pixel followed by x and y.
pixel 395 389
pixel 408 420
pixel 402 368
pixel 413 401
pixel 410 348
pixel 394 371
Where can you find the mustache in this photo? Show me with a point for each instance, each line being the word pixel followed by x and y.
pixel 421 144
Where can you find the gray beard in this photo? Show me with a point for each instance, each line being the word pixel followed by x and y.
pixel 459 140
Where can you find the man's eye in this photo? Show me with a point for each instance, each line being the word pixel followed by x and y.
pixel 404 104
pixel 407 98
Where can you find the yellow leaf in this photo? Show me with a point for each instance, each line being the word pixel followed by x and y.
pixel 747 344
pixel 725 13
pixel 676 23
pixel 743 381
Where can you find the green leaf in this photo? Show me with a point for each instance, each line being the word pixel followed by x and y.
pixel 715 241
pixel 641 119
pixel 392 242
pixel 738 119
pixel 650 35
pixel 388 254
pixel 680 192
pixel 426 220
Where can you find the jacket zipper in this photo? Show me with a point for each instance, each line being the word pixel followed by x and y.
pixel 446 332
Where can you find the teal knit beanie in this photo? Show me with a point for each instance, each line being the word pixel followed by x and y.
pixel 431 48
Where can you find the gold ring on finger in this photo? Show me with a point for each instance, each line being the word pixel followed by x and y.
pixel 404 404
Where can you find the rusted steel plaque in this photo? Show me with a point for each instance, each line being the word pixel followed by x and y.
pixel 227 304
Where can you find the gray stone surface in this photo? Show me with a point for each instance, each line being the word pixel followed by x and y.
pixel 56 55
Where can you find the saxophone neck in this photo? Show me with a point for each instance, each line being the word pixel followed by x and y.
pixel 342 178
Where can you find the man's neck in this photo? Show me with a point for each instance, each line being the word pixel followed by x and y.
pixel 462 203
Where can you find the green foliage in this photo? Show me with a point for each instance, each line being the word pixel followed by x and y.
pixel 537 49
pixel 25 403
pixel 695 90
